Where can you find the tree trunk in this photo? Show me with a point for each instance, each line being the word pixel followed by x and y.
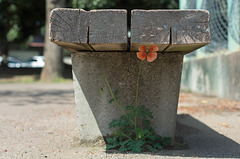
pixel 53 54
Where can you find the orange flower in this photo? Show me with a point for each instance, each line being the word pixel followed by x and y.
pixel 149 53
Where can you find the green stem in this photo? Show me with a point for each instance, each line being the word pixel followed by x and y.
pixel 136 103
pixel 127 136
pixel 139 73
pixel 110 89
pixel 100 83
pixel 147 135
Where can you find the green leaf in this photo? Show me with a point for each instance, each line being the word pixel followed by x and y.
pixel 136 146
pixel 112 100
pixel 152 137
pixel 146 123
pixel 159 138
pixel 112 143
pixel 130 115
pixel 152 149
pixel 123 149
pixel 123 145
pixel 111 140
pixel 117 133
pixel 157 146
pixel 106 147
pixel 129 107
pixel 124 142
pixel 113 124
pixel 116 92
pixel 145 112
pixel 123 122
pixel 101 90
pixel 166 141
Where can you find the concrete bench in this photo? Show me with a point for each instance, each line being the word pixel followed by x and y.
pixel 99 43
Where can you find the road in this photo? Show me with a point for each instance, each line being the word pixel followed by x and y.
pixel 39 121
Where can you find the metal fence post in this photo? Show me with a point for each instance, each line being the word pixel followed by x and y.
pixel 233 7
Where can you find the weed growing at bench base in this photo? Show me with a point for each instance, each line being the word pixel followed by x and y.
pixel 131 136
pixel 132 131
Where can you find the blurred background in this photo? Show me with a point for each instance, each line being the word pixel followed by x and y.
pixel 26 55
pixel 24 46
pixel 214 70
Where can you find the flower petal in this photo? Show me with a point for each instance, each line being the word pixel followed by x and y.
pixel 153 48
pixel 151 56
pixel 141 55
pixel 142 48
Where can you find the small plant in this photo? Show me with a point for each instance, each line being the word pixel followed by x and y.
pixel 132 131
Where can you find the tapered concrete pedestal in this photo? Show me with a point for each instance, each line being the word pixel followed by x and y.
pixel 159 90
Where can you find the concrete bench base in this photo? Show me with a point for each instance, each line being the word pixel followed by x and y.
pixel 159 90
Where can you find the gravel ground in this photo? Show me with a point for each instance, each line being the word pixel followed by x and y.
pixel 39 121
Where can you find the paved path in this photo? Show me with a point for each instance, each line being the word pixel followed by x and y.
pixel 39 121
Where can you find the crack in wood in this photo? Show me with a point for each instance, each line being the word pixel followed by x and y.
pixel 88 45
pixel 170 41
pixel 63 20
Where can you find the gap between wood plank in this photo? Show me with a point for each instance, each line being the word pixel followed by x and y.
pixel 88 45
pixel 170 41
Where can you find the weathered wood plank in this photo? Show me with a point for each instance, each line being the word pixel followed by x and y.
pixel 148 28
pixel 190 32
pixel 96 30
pixel 69 28
pixel 108 30
pixel 171 30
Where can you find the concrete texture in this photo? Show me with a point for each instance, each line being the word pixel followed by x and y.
pixel 217 75
pixel 38 121
pixel 159 90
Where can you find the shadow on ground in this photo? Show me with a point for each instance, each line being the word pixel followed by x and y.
pixel 36 97
pixel 201 140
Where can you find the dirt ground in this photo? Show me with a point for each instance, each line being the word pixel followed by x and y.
pixel 39 121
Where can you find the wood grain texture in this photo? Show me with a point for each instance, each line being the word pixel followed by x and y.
pixel 108 30
pixel 69 28
pixel 96 30
pixel 190 31
pixel 148 28
pixel 171 30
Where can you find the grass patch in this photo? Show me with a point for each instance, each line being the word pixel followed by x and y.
pixel 30 79
pixel 20 79
pixel 58 80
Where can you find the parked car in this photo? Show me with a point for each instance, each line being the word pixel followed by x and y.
pixel 13 62
pixel 34 62
pixel 1 60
